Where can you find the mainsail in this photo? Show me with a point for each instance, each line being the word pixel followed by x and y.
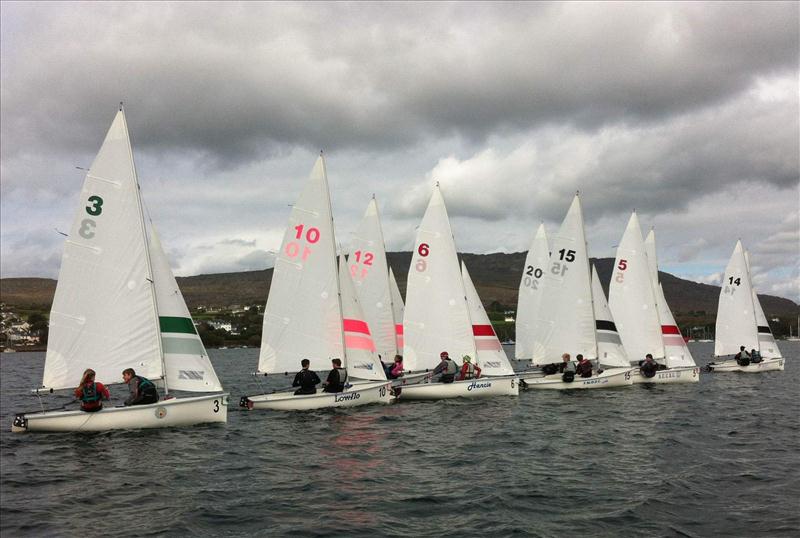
pixel 530 293
pixel 436 316
pixel 104 312
pixel 736 319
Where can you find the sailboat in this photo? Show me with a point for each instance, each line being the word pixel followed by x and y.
pixel 569 323
pixel 530 294
pixel 117 306
pixel 313 313
pixel 644 320
pixel 438 316
pixel 739 323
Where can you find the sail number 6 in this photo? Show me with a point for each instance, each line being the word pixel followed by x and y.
pixel 423 250
pixel 94 209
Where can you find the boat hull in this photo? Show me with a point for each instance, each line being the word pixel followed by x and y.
pixel 766 365
pixel 685 374
pixel 173 412
pixel 483 387
pixel 613 377
pixel 355 395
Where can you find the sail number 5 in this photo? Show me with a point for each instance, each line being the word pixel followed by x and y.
pixel 292 248
pixel 620 276
pixel 94 209
pixel 423 250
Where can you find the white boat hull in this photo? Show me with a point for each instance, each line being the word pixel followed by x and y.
pixel 355 395
pixel 483 387
pixel 766 365
pixel 613 377
pixel 164 414
pixel 685 374
pixel 411 379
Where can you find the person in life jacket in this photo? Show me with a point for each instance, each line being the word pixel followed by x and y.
pixel 396 368
pixel 447 368
pixel 90 393
pixel 648 366
pixel 469 370
pixel 584 368
pixel 567 369
pixel 143 391
pixel 337 377
pixel 755 356
pixel 306 379
pixel 743 357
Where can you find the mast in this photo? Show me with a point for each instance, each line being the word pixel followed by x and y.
pixel 333 243
pixel 391 301
pixel 752 292
pixel 591 295
pixel 147 256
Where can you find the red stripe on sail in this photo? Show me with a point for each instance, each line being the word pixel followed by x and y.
pixel 674 341
pixel 398 329
pixel 669 329
pixel 400 343
pixel 356 326
pixel 358 342
pixel 482 330
pixel 488 345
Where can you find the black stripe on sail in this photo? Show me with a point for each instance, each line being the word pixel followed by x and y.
pixel 764 329
pixel 604 325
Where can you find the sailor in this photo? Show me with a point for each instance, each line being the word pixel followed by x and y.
pixel 755 356
pixel 143 391
pixel 568 369
pixel 550 369
pixel 648 366
pixel 396 368
pixel 469 370
pixel 337 377
pixel 90 393
pixel 306 379
pixel 447 368
pixel 743 357
pixel 584 368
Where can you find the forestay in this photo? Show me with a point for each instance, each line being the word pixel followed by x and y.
pixel 302 318
pixel 530 293
pixel 610 351
pixel 676 352
pixel 436 318
pixel 360 358
pixel 632 299
pixel 567 324
pixel 490 355
pixel 768 347
pixel 398 309
pixel 370 272
pixel 187 364
pixel 736 320
pixel 104 313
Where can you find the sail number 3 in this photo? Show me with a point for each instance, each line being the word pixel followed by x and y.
pixel 423 250
pixel 311 236
pixel 95 208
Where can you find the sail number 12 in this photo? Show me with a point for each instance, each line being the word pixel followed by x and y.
pixel 95 208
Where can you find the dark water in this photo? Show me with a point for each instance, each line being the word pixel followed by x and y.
pixel 715 458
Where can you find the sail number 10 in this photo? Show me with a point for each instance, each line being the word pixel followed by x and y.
pixel 311 236
pixel 95 208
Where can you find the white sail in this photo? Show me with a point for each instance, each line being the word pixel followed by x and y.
pixel 302 319
pixel 104 314
pixel 567 323
pixel 436 318
pixel 736 319
pixel 610 351
pixel 370 272
pixel 676 352
pixel 768 347
pixel 360 357
pixel 187 364
pixel 398 308
pixel 530 293
pixel 632 299
pixel 490 355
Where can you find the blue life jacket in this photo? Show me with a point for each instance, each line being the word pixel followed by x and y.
pixel 145 384
pixel 90 394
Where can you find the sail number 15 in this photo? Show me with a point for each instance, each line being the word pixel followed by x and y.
pixel 95 208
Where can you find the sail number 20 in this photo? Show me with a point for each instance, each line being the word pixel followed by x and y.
pixel 95 208
pixel 311 236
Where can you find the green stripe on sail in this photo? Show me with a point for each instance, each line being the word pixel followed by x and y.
pixel 182 346
pixel 176 325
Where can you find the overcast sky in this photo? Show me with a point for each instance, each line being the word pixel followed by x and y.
pixel 687 112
